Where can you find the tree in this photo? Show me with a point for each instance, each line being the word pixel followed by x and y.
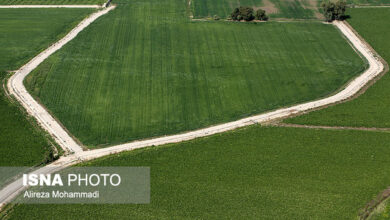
pixel 260 15
pixel 334 10
pixel 235 14
pixel 247 13
pixel 243 13
pixel 341 7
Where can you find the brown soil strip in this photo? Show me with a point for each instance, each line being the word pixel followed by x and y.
pixel 330 127
pixel 313 5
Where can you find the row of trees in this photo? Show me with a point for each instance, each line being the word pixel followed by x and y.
pixel 248 14
pixel 334 10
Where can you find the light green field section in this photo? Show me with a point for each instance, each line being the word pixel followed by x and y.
pixel 23 34
pixel 371 109
pixel 253 173
pixel 145 70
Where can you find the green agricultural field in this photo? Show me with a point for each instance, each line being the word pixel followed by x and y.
pixel 276 8
pixel 252 173
pixel 51 2
pixel 24 33
pixel 369 2
pixel 372 109
pixel 145 70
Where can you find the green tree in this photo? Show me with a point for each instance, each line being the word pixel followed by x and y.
pixel 235 14
pixel 261 15
pixel 243 13
pixel 247 13
pixel 334 10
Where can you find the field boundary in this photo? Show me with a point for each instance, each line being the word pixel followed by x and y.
pixel 289 125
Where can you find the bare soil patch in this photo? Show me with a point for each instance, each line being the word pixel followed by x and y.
pixel 312 5
pixel 268 7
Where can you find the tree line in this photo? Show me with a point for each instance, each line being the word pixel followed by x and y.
pixel 248 14
pixel 332 10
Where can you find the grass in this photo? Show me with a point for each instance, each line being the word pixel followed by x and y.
pixel 252 173
pixel 24 32
pixel 372 108
pixel 145 70
pixel 285 9
pixel 51 2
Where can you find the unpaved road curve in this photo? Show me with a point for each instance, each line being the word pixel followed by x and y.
pixel 17 88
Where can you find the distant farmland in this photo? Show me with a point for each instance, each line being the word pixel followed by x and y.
pixel 133 75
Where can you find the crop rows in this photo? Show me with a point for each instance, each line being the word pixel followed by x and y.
pixel 133 75
pixel 372 108
pixel 252 173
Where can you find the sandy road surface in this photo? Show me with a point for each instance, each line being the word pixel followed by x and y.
pixel 16 87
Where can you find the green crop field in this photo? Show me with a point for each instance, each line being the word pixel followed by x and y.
pixel 369 2
pixel 51 2
pixel 372 109
pixel 276 8
pixel 252 173
pixel 24 33
pixel 145 70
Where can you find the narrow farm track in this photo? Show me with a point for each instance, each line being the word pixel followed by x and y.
pixel 329 127
pixel 16 87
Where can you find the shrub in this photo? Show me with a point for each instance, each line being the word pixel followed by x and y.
pixel 247 13
pixel 216 17
pixel 260 15
pixel 334 10
pixel 235 14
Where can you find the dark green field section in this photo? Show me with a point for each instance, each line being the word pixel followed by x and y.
pixel 253 173
pixel 128 76
pixel 23 33
pixel 51 2
pixel 372 109
pixel 277 8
